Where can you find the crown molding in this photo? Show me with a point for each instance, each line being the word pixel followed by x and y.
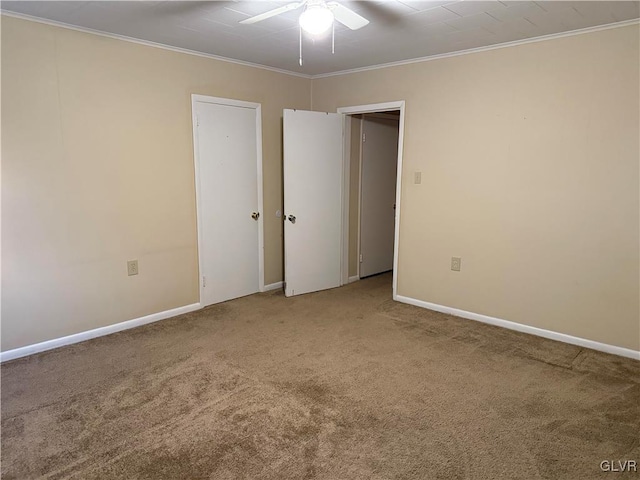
pixel 410 61
pixel 525 41
pixel 148 43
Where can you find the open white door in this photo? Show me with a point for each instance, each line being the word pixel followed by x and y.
pixel 313 166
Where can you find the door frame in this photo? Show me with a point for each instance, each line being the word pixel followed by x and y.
pixel 355 110
pixel 196 98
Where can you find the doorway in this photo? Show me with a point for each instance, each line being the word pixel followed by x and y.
pixel 316 180
pixel 227 140
pixel 377 158
pixel 354 117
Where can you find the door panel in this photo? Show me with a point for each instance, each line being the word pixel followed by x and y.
pixel 378 195
pixel 227 196
pixel 313 194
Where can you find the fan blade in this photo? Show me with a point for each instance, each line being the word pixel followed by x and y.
pixel 381 14
pixel 272 13
pixel 346 16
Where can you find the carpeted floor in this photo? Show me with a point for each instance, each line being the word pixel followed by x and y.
pixel 342 384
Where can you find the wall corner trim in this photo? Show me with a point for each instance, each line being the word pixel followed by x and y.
pixel 96 332
pixel 519 327
pixel 515 43
pixel 148 43
pixel 355 278
pixel 273 286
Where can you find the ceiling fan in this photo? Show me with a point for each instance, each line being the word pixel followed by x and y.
pixel 317 18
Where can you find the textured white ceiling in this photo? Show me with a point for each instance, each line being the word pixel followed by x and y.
pixel 399 30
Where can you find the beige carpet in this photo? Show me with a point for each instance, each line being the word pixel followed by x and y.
pixel 342 384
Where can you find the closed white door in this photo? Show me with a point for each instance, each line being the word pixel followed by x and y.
pixel 227 174
pixel 378 194
pixel 312 201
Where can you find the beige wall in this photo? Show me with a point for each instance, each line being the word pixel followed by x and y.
pixel 97 169
pixel 529 158
pixel 530 169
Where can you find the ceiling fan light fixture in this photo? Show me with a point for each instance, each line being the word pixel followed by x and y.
pixel 316 19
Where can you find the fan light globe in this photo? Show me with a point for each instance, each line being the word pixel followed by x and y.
pixel 316 19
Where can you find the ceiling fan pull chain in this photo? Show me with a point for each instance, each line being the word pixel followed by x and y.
pixel 300 28
pixel 333 38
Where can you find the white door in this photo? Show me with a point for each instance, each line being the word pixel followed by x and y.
pixel 227 154
pixel 312 201
pixel 378 194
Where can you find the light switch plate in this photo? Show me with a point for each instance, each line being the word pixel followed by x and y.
pixel 417 178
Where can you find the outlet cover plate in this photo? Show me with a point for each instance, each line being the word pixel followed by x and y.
pixel 456 263
pixel 132 267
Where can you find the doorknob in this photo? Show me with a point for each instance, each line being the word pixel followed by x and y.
pixel 255 215
pixel 292 218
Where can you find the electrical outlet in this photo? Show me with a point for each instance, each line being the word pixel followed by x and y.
pixel 132 267
pixel 456 262
pixel 417 178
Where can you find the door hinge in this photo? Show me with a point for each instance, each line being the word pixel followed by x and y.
pixel 204 281
pixel 360 258
pixel 197 122
pixel 364 137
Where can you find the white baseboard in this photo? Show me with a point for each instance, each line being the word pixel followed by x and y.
pixel 355 278
pixel 540 332
pixel 96 332
pixel 273 286
pixel 137 322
